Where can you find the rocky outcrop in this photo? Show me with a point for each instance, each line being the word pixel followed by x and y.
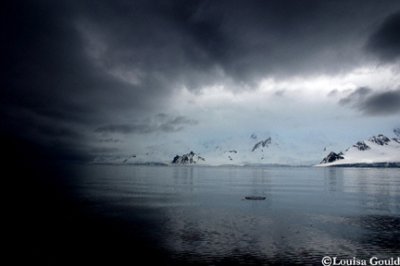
pixel 380 140
pixel 332 157
pixel 189 158
pixel 396 131
pixel 262 144
pixel 361 146
pixel 377 151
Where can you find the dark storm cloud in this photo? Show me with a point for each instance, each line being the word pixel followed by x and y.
pixel 161 123
pixel 103 150
pixel 385 42
pixel 77 65
pixel 198 42
pixel 50 87
pixel 373 103
pixel 50 73
pixel 382 103
pixel 110 140
pixel 356 96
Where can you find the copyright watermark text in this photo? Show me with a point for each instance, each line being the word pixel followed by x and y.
pixel 331 261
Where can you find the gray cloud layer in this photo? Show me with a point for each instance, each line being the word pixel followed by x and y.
pixel 370 103
pixel 356 96
pixel 385 42
pixel 198 42
pixel 77 65
pixel 382 103
pixel 162 123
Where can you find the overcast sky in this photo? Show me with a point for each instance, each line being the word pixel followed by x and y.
pixel 85 79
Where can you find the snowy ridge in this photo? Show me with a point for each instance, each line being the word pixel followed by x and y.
pixel 377 151
pixel 189 158
pixel 262 144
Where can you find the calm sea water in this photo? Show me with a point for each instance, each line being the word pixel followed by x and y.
pixel 198 214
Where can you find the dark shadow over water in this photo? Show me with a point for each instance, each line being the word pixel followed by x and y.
pixel 131 215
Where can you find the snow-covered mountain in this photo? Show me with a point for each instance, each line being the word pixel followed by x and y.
pixel 262 144
pixel 269 149
pixel 189 158
pixel 376 151
pixel 244 151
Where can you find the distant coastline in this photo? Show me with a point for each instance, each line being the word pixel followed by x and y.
pixel 364 165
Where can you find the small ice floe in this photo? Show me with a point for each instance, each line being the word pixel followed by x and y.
pixel 254 198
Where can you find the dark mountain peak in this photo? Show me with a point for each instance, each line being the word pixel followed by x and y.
pixel 361 146
pixel 380 139
pixel 262 143
pixel 396 131
pixel 386 154
pixel 332 157
pixel 189 158
pixel 396 140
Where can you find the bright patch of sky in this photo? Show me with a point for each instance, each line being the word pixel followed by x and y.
pixel 300 114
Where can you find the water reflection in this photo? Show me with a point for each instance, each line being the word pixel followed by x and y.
pixel 334 179
pixel 183 179
pixel 198 213
pixel 382 233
